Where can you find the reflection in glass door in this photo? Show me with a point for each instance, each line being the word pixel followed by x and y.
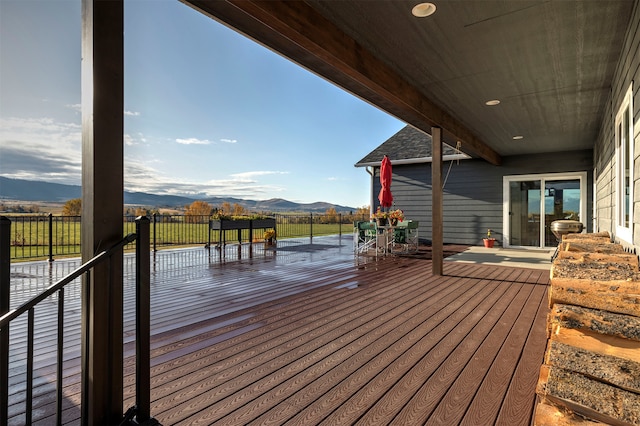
pixel 561 201
pixel 524 213
pixel 536 201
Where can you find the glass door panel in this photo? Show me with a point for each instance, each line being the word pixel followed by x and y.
pixel 535 201
pixel 524 213
pixel 561 201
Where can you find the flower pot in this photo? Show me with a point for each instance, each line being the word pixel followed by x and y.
pixel 488 242
pixel 382 221
pixel 394 222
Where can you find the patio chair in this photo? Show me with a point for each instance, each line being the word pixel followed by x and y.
pixel 405 238
pixel 364 237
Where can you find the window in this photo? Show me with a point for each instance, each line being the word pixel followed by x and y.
pixel 624 172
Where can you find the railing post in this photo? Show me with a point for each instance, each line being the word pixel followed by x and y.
pixel 143 321
pixel 311 225
pixel 339 223
pixel 5 276
pixel 50 237
pixel 155 232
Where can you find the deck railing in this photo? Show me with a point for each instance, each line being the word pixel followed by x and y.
pixel 47 236
pixel 142 407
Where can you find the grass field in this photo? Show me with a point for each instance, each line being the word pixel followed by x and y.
pixel 34 237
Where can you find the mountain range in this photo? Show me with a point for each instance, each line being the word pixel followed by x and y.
pixel 37 191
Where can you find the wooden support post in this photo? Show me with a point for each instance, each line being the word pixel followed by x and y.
pixel 143 321
pixel 5 283
pixel 437 233
pixel 102 206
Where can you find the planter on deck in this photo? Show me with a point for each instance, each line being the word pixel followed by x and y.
pixel 226 224
pixel 240 224
pixel 489 242
pixel 263 223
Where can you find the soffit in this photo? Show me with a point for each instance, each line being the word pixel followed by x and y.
pixel 550 63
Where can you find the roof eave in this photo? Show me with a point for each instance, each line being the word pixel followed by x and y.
pixel 420 160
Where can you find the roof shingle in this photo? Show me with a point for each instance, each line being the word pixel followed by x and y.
pixel 408 144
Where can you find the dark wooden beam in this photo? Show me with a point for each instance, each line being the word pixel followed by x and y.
pixel 297 31
pixel 102 207
pixel 5 305
pixel 437 230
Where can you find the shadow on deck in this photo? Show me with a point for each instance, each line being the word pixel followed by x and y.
pixel 305 334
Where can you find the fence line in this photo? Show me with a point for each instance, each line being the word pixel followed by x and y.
pixel 45 236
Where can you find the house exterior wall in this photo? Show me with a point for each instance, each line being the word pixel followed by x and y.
pixel 473 199
pixel 627 71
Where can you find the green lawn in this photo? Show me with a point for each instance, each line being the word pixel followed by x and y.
pixel 30 235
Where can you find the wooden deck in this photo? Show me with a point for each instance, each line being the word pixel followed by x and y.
pixel 308 334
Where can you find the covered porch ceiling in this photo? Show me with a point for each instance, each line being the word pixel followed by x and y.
pixel 549 63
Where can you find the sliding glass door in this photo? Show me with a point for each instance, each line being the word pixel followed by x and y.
pixel 532 202
pixel 524 213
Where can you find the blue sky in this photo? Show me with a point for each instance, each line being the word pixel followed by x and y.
pixel 207 111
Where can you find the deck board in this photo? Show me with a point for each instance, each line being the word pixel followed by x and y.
pixel 421 389
pixel 489 366
pixel 310 334
pixel 362 365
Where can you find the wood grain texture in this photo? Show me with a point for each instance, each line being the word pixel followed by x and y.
pixel 588 397
pixel 591 246
pixel 605 367
pixel 602 322
pixel 583 257
pixel 617 296
pixel 592 362
pixel 602 237
pixel 308 338
pixel 548 414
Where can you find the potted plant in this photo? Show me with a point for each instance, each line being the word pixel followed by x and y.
pixel 396 216
pixel 380 217
pixel 269 236
pixel 489 241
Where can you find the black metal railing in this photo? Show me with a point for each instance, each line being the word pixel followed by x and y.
pixel 43 236
pixel 142 407
pixel 47 236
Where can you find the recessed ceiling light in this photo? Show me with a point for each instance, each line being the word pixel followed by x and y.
pixel 423 10
pixel 518 137
pixel 492 102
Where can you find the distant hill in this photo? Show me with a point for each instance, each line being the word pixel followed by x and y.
pixel 36 191
pixel 26 190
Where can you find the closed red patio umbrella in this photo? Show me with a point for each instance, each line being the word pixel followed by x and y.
pixel 385 197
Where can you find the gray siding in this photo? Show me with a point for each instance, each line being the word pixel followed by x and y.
pixel 473 192
pixel 628 70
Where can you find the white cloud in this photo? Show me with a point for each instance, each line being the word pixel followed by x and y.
pixel 249 176
pixel 228 140
pixel 193 141
pixel 132 113
pixel 75 107
pixel 136 139
pixel 41 149
pixel 143 178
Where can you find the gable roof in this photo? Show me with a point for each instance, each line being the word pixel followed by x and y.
pixel 408 146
